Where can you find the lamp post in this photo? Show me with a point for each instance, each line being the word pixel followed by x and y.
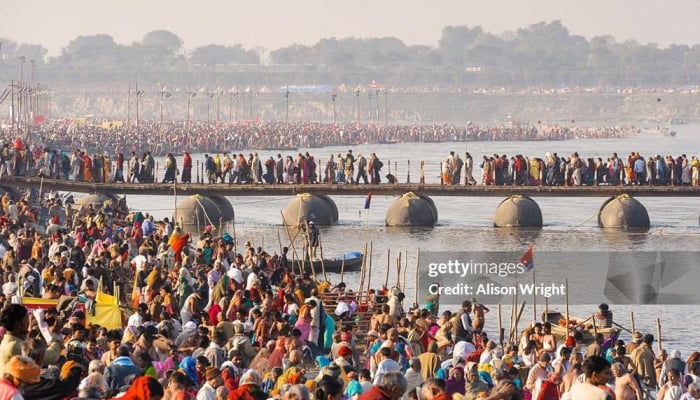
pixel 357 95
pixel 386 110
pixel 237 97
pixel 20 109
pixel 189 94
pixel 128 107
pixel 139 93
pixel 218 96
pixel 32 94
pixel 245 94
pixel 163 95
pixel 333 97
pixel 377 99
pixel 369 109
pixel 286 99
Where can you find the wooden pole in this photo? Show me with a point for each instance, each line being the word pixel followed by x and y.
pixel 658 333
pixel 566 287
pixel 417 275
pixel 398 271
pixel 235 239
pixel 362 270
pixel 388 267
pixel 291 241
pixel 323 265
pixel 517 320
pixel 342 268
pixel 534 298
pixel 517 315
pixel 632 321
pixel 595 326
pixel 513 310
pixel 175 200
pixel 405 269
pixel 500 326
pixel 279 240
pixel 369 276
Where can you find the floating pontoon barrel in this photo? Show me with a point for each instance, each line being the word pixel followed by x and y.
pixel 518 211
pixel 100 201
pixel 412 210
pixel 225 207
pixel 196 212
pixel 623 212
pixel 306 207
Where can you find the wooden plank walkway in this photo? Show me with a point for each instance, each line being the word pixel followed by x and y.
pixel 384 189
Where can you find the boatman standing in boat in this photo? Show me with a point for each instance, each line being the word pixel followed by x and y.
pixel 311 241
pixel 604 317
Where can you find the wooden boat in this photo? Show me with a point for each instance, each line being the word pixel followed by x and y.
pixel 581 324
pixel 353 262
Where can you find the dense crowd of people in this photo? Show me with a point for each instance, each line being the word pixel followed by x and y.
pixel 304 168
pixel 210 320
pixel 203 137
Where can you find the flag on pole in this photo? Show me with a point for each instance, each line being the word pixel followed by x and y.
pixel 368 200
pixel 527 260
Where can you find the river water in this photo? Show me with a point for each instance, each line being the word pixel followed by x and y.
pixel 466 224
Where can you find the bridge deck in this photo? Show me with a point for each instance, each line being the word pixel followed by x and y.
pixel 384 189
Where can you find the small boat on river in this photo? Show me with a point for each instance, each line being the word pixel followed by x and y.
pixel 583 325
pixel 347 263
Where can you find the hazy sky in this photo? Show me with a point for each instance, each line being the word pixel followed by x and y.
pixel 273 24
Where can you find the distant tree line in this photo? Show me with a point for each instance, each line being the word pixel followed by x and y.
pixel 542 54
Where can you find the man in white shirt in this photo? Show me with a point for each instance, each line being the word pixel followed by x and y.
pixel 385 365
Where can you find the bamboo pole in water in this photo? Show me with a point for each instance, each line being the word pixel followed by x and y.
pixel 632 321
pixel 342 268
pixel 369 277
pixel 658 333
pixel 323 265
pixel 534 298
pixel 417 275
pixel 566 287
pixel 405 269
pixel 291 241
pixel 388 266
pixel 500 326
pixel 398 271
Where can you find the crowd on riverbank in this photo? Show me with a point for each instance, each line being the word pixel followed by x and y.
pixel 203 137
pixel 214 319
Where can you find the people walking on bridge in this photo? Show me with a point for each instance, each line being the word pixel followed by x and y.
pixel 170 169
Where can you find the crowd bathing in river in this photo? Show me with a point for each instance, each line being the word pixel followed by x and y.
pixel 207 318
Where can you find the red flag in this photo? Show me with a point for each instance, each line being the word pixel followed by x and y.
pixel 527 260
pixel 368 200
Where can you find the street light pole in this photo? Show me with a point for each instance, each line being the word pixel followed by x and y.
pixel 357 94
pixel 190 95
pixel 286 98
pixel 333 97
pixel 128 108
pixel 20 109
pixel 386 110
pixel 377 98
pixel 138 95
pixel 369 110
